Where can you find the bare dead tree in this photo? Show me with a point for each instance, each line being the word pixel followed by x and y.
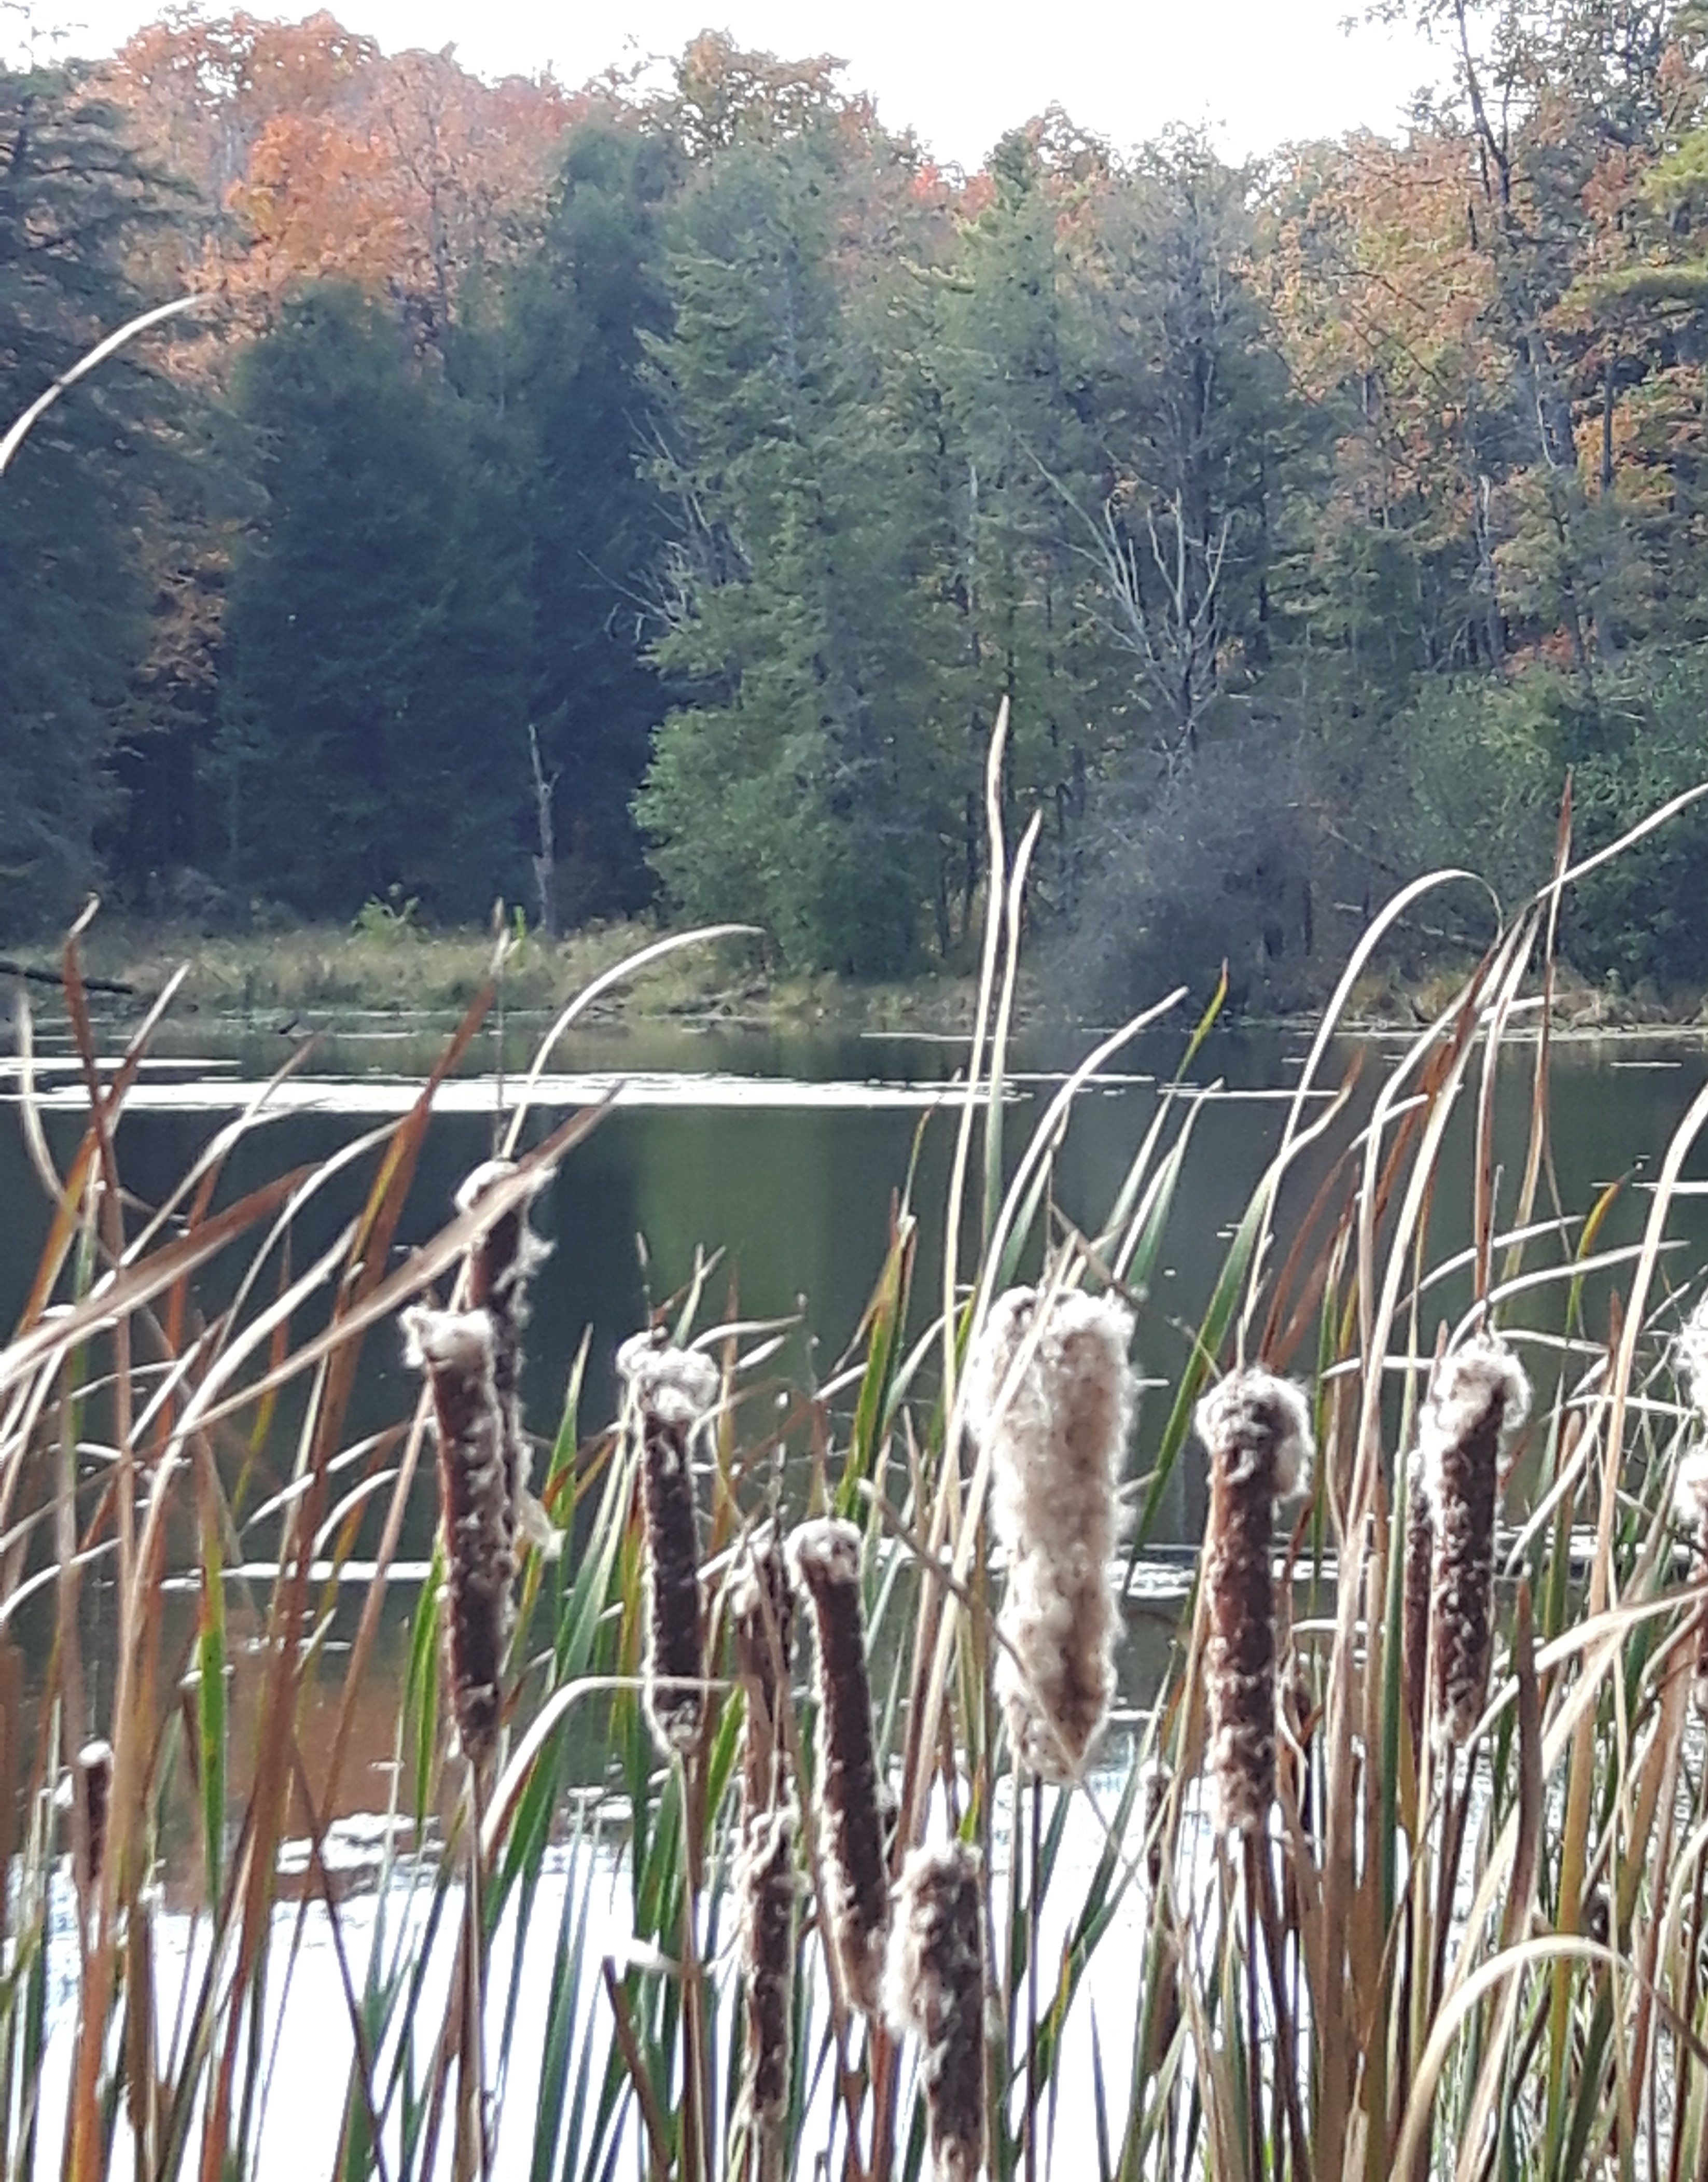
pixel 544 858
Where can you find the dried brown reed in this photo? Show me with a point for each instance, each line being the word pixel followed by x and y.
pixel 1478 1397
pixel 1050 1391
pixel 1257 1430
pixel 672 1391
pixel 824 1556
pixel 935 1988
pixel 455 1349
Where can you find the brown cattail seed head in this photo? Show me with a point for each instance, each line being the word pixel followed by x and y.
pixel 1050 1394
pixel 672 1389
pixel 1479 1398
pixel 825 1556
pixel 1420 1577
pixel 500 1266
pixel 765 1894
pixel 1257 1429
pixel 761 1609
pixel 93 1788
pixel 455 1350
pixel 934 1987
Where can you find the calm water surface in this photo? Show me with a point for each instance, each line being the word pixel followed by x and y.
pixel 784 1153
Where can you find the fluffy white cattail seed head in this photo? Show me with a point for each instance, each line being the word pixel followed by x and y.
pixel 1690 1355
pixel 1050 1394
pixel 933 1987
pixel 1690 1486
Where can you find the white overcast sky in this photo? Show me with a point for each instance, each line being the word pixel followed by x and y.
pixel 1259 72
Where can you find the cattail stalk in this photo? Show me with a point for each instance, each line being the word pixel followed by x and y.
pixel 825 1558
pixel 500 1265
pixel 1479 1398
pixel 1257 1430
pixel 1051 1394
pixel 765 1892
pixel 934 1987
pixel 455 1348
pixel 672 1389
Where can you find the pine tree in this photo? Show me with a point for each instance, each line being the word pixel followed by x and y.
pixel 375 736
pixel 576 415
pixel 73 199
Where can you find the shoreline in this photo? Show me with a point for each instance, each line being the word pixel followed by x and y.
pixel 320 978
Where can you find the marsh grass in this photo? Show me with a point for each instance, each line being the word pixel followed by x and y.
pixel 1473 1946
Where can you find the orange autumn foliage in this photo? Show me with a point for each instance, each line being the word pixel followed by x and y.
pixel 316 155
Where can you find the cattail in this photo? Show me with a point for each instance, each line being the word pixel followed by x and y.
pixel 1479 1398
pixel 499 1268
pixel 672 1390
pixel 934 1987
pixel 1690 1486
pixel 765 1892
pixel 455 1349
pixel 1690 1505
pixel 762 1607
pixel 1056 1427
pixel 1257 1429
pixel 1419 1578
pixel 92 1786
pixel 825 1556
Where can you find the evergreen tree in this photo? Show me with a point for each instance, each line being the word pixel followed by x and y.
pixel 811 785
pixel 375 727
pixel 576 415
pixel 73 199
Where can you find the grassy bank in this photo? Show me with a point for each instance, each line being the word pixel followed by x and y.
pixel 315 974
pixel 387 966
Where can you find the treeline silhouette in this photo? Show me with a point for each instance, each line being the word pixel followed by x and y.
pixel 644 495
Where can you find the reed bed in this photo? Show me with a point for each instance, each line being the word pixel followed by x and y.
pixel 1402 1872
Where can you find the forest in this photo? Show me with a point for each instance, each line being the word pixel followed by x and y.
pixel 635 500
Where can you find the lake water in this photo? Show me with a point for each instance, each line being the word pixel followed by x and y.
pixel 784 1153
